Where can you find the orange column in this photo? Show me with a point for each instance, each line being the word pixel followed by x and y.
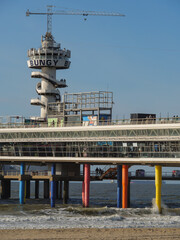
pixel 124 186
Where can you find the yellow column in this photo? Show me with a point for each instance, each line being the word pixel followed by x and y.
pixel 158 182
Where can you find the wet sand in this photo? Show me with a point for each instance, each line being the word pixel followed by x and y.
pixel 94 233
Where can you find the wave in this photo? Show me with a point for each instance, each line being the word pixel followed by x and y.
pixel 78 217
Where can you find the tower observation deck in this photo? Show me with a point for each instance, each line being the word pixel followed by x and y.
pixel 49 58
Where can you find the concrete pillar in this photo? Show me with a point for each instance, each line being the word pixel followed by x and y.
pixel 46 189
pixel 119 186
pixel 65 192
pixel 57 189
pixel 21 185
pixel 28 188
pixel 36 189
pixel 53 185
pixel 60 190
pixel 129 194
pixel 86 184
pixel 124 186
pixel 8 188
pixel 158 183
pixel 5 189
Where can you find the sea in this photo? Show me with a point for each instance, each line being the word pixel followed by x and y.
pixel 102 212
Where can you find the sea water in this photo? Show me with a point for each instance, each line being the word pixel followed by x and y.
pixel 102 213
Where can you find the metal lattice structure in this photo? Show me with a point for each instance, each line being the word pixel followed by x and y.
pixel 77 105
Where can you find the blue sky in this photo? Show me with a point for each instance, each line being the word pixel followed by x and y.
pixel 136 57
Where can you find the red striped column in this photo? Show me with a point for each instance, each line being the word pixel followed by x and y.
pixel 86 184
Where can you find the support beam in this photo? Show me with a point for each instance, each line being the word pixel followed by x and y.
pixel 158 183
pixel 21 185
pixel 124 186
pixel 53 185
pixel 86 184
pixel 119 186
pixel 46 189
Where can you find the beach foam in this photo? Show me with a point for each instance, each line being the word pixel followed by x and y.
pixel 74 218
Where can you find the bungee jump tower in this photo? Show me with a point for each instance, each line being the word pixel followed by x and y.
pixel 49 58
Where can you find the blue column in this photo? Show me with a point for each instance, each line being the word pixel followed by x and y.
pixel 53 185
pixel 119 186
pixel 21 185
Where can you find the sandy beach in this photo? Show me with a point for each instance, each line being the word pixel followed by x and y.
pixel 94 233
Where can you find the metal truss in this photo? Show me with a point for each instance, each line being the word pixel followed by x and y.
pixel 89 134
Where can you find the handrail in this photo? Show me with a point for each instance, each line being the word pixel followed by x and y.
pixel 93 173
pixel 139 121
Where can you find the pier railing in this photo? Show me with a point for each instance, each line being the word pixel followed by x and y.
pixel 94 173
pixel 168 120
pixel 30 173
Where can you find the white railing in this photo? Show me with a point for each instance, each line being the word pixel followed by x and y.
pixel 138 121
pixel 17 173
pixel 93 173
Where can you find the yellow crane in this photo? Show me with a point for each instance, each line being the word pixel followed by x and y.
pixel 50 12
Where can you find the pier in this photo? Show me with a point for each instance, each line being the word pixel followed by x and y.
pixel 68 149
pixel 76 131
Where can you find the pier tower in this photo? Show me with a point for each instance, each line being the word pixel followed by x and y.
pixel 49 58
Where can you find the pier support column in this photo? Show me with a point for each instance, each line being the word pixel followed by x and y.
pixel 53 185
pixel 46 189
pixel 124 186
pixel 65 192
pixel 5 189
pixel 86 184
pixel 57 189
pixel 158 182
pixel 83 194
pixel 36 189
pixel 28 188
pixel 8 186
pixel 129 195
pixel 21 185
pixel 60 190
pixel 119 186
